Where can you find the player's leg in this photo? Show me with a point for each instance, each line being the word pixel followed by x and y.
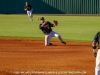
pixel 47 41
pixel 97 68
pixel 28 13
pixel 31 14
pixel 54 34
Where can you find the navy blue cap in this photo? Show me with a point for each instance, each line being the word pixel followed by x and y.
pixel 42 18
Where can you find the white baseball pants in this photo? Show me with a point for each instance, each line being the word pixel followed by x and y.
pixel 97 68
pixel 50 35
pixel 29 13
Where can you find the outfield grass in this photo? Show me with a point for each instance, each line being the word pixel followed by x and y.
pixel 73 28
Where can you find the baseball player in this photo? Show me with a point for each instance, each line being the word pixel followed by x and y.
pixel 29 10
pixel 45 26
pixel 97 54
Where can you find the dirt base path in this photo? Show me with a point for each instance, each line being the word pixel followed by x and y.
pixel 31 57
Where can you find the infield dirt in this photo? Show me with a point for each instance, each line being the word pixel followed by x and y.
pixel 17 55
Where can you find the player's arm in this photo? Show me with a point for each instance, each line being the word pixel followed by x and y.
pixel 52 25
pixel 25 8
pixel 94 48
pixel 41 26
pixel 94 44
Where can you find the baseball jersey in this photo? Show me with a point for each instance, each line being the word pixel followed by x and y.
pixel 29 7
pixel 46 28
pixel 97 39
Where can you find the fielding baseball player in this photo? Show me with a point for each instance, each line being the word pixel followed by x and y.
pixel 45 26
pixel 29 10
pixel 97 54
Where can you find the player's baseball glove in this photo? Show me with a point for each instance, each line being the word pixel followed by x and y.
pixel 55 22
pixel 26 8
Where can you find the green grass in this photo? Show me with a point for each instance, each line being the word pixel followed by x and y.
pixel 73 28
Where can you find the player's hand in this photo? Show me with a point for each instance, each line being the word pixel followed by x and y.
pixel 43 24
pixel 25 9
pixel 95 54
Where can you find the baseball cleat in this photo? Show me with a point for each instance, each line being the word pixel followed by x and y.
pixel 50 43
pixel 31 19
pixel 63 42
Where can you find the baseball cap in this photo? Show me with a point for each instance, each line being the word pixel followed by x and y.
pixel 42 18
